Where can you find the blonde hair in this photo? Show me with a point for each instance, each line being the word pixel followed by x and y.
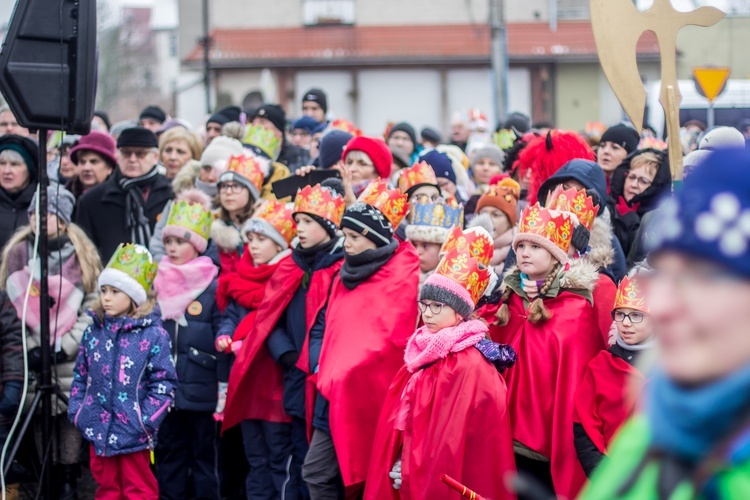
pixel 357 155
pixel 537 312
pixel 135 311
pixel 193 141
pixel 649 160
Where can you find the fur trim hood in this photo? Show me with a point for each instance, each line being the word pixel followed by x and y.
pixel 580 277
pixel 227 238
pixel 430 234
pixel 601 253
pixel 186 177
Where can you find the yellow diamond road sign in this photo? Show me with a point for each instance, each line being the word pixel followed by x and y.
pixel 711 80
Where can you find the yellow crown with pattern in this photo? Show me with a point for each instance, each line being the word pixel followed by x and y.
pixel 263 139
pixel 630 294
pixel 280 217
pixel 320 201
pixel 462 268
pixel 436 213
pixel 136 262
pixel 192 217
pixel 550 225
pixel 475 240
pixel 419 173
pixel 391 202
pixel 576 202
pixel 249 168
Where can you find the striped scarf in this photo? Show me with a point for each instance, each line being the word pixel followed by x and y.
pixel 136 219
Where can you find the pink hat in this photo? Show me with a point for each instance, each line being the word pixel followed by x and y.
pixel 376 149
pixel 99 142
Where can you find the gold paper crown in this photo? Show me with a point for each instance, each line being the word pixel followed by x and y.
pixel 476 240
pixel 264 140
pixel 504 188
pixel 555 227
pixel 439 214
pixel 575 202
pixel 191 216
pixel 247 167
pixel 136 262
pixel 280 217
pixel 391 202
pixel 319 201
pixel 630 295
pixel 470 274
pixel 419 173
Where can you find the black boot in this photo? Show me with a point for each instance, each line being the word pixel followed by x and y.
pixel 69 482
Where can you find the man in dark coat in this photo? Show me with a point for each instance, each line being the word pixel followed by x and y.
pixel 124 208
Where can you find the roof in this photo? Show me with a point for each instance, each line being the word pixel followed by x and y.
pixel 418 44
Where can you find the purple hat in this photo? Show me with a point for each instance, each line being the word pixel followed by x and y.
pixel 99 142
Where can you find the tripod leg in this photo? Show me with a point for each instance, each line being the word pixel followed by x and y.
pixel 22 432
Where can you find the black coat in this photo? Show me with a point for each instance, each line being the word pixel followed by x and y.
pixel 101 212
pixel 14 212
pixel 11 360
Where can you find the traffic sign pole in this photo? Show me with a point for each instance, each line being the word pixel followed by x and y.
pixel 711 119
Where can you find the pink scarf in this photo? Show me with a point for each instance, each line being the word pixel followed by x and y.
pixel 424 347
pixel 178 286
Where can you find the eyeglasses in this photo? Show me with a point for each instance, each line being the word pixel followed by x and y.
pixel 642 181
pixel 424 198
pixel 225 187
pixel 435 307
pixel 139 153
pixel 634 317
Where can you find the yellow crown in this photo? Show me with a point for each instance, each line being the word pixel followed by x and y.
pixel 439 213
pixel 554 226
pixel 280 217
pixel 505 187
pixel 470 274
pixel 263 139
pixel 391 202
pixel 321 202
pixel 630 295
pixel 476 240
pixel 247 167
pixel 191 216
pixel 575 202
pixel 419 173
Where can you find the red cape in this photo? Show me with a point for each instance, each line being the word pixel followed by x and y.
pixel 552 358
pixel 255 383
pixel 607 397
pixel 604 300
pixel 458 425
pixel 366 333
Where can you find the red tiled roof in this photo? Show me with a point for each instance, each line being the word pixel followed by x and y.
pixel 381 44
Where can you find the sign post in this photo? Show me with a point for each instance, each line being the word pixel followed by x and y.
pixel 710 83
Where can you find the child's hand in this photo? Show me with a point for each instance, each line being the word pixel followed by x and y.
pixel 223 343
pixel 346 180
pixel 395 474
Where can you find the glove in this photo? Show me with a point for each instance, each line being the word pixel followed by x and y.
pixel 395 474
pixel 580 238
pixel 221 402
pixel 288 359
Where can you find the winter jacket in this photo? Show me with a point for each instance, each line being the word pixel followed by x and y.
pixel 277 172
pixel 11 361
pixel 293 157
pixel 101 212
pixel 123 384
pixel 14 211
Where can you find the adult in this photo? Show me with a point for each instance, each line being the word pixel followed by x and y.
pixel 616 143
pixel 273 118
pixel 124 208
pixel 301 131
pixel 176 147
pixel 429 138
pixel 214 124
pixel 332 146
pixel 402 137
pixel 486 163
pixel 95 155
pixel 315 105
pixel 9 124
pixel 152 117
pixel 101 121
pixel 459 131
pixel 18 180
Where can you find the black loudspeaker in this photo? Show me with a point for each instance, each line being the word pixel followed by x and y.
pixel 48 64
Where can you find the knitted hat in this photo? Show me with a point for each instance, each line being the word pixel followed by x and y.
pixel 189 221
pixel 323 203
pixel 407 129
pixel 318 96
pixel 430 135
pixel 441 165
pixel 221 148
pixel 218 118
pixel 137 137
pixel 100 143
pixel 622 135
pixel 332 146
pixel 709 217
pixel 231 113
pixel 459 282
pixel 722 137
pixel 154 113
pixel 504 196
pixel 304 123
pixel 273 219
pixel 550 229
pixel 60 202
pixel 244 170
pixel 369 222
pixel 273 113
pixel 630 294
pixel 490 152
pixel 104 117
pixel 25 147
pixel 131 270
pixel 376 149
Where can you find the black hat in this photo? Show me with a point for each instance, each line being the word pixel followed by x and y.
pixel 430 135
pixel 274 113
pixel 218 118
pixel 137 137
pixel 231 113
pixel 404 127
pixel 369 222
pixel 104 116
pixel 620 134
pixel 27 148
pixel 318 96
pixel 153 112
pixel 517 122
pixel 332 147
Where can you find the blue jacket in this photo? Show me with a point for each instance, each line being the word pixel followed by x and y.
pixel 123 384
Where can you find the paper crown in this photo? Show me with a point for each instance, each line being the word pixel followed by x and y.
pixel 504 139
pixel 547 225
pixel 631 295
pixel 191 216
pixel 136 262
pixel 249 168
pixel 391 202
pixel 419 173
pixel 280 217
pixel 439 214
pixel 346 126
pixel 576 202
pixel 264 140
pixel 321 202
pixel 505 187
pixel 476 240
pixel 460 267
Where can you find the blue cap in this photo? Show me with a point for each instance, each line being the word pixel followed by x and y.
pixel 332 147
pixel 441 165
pixel 305 123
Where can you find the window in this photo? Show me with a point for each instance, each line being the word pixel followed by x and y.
pixel 327 12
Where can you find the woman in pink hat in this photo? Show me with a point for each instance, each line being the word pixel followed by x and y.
pixel 95 156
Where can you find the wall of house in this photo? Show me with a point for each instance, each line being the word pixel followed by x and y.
pixel 576 95
pixel 724 44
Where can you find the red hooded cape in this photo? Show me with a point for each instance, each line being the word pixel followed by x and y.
pixel 255 383
pixel 458 425
pixel 606 397
pixel 604 300
pixel 552 358
pixel 363 349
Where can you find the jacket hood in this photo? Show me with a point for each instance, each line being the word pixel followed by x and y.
pixel 601 252
pixel 586 172
pixel 651 197
pixel 580 278
pixel 227 238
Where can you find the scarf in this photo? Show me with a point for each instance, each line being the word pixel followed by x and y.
pixel 178 286
pixel 136 219
pixel 623 208
pixel 211 189
pixel 247 285
pixel 425 347
pixel 531 287
pixel 689 422
pixel 643 346
pixel 317 257
pixel 358 268
pixel 503 244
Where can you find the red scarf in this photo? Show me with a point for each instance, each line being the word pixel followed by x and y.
pixel 246 285
pixel 624 208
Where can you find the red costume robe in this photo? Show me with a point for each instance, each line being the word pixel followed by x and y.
pixel 363 349
pixel 604 300
pixel 457 425
pixel 607 397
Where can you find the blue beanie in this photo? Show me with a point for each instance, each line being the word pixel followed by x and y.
pixel 441 165
pixel 332 147
pixel 709 217
pixel 304 123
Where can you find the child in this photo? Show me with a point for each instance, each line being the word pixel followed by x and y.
pixel 185 287
pixel 548 318
pixel 291 312
pixel 354 371
pixel 124 378
pixel 448 392
pixel 607 395
pixel 499 203
pixel 419 181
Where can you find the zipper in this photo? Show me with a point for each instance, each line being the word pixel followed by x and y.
pixel 196 352
pixel 85 393
pixel 176 347
pixel 140 415
pixel 115 374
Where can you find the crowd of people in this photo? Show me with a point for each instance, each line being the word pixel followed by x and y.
pixel 270 308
